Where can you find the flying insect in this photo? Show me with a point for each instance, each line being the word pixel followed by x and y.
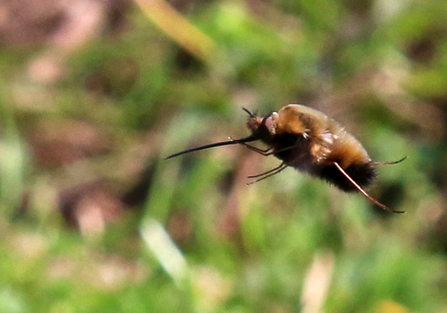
pixel 309 141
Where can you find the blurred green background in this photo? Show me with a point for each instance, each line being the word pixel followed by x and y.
pixel 94 94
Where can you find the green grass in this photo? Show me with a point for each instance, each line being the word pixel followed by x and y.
pixel 200 239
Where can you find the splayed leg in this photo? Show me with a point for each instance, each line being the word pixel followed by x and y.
pixel 267 174
pixel 389 163
pixel 363 192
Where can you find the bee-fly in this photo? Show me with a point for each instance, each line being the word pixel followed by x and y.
pixel 309 141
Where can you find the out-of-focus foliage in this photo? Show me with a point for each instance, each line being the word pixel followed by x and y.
pixel 94 94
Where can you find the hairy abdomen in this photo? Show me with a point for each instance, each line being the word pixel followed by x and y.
pixel 362 174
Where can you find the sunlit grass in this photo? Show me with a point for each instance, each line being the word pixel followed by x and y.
pixel 201 239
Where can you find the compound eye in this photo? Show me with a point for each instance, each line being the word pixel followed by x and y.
pixel 270 122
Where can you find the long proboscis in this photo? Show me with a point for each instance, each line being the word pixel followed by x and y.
pixel 216 144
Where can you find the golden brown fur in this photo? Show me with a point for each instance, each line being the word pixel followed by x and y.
pixel 328 140
pixel 308 140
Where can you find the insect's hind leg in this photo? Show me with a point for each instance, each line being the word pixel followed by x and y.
pixel 363 192
pixel 390 163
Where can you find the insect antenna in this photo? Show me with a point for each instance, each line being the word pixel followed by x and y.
pixel 389 163
pixel 249 113
pixel 363 191
pixel 216 144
